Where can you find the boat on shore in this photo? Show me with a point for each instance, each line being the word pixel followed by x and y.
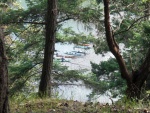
pixel 85 44
pixel 61 59
pixel 75 53
pixel 65 56
pixel 82 47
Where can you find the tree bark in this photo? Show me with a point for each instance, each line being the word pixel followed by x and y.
pixel 4 106
pixel 113 46
pixel 139 78
pixel 45 83
pixel 135 80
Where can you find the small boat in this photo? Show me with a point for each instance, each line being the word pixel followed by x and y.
pixel 59 55
pixel 65 56
pixel 74 53
pixel 62 59
pixel 85 44
pixel 82 47
pixel 81 52
pixel 69 56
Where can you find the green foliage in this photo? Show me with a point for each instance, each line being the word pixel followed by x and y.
pixel 7 1
pixel 145 0
pixel 90 80
pixel 108 73
pixel 105 67
pixel 25 49
pixel 98 1
pixel 129 28
pixel 26 53
pixel 146 27
pixel 100 46
pixel 68 35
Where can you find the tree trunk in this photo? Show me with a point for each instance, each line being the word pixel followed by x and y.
pixel 45 83
pixel 135 80
pixel 4 106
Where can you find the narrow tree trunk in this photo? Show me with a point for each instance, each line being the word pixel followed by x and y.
pixel 4 106
pixel 45 83
pixel 113 46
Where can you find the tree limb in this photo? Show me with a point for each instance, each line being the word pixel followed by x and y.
pixel 131 25
pixel 113 46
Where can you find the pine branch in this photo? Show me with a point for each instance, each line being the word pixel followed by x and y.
pixel 132 25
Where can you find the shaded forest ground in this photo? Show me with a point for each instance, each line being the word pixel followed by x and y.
pixel 70 106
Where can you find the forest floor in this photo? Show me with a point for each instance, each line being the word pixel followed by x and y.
pixel 70 106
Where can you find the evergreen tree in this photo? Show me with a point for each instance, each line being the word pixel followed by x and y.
pixel 50 29
pixel 137 78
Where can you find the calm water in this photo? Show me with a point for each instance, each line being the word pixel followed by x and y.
pixel 79 91
pixel 82 62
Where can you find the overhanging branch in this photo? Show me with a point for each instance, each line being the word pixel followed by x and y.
pixel 113 46
pixel 40 23
pixel 131 25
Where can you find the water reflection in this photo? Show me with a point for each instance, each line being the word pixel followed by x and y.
pixel 80 93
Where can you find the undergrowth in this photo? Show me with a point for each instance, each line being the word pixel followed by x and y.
pixel 34 104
